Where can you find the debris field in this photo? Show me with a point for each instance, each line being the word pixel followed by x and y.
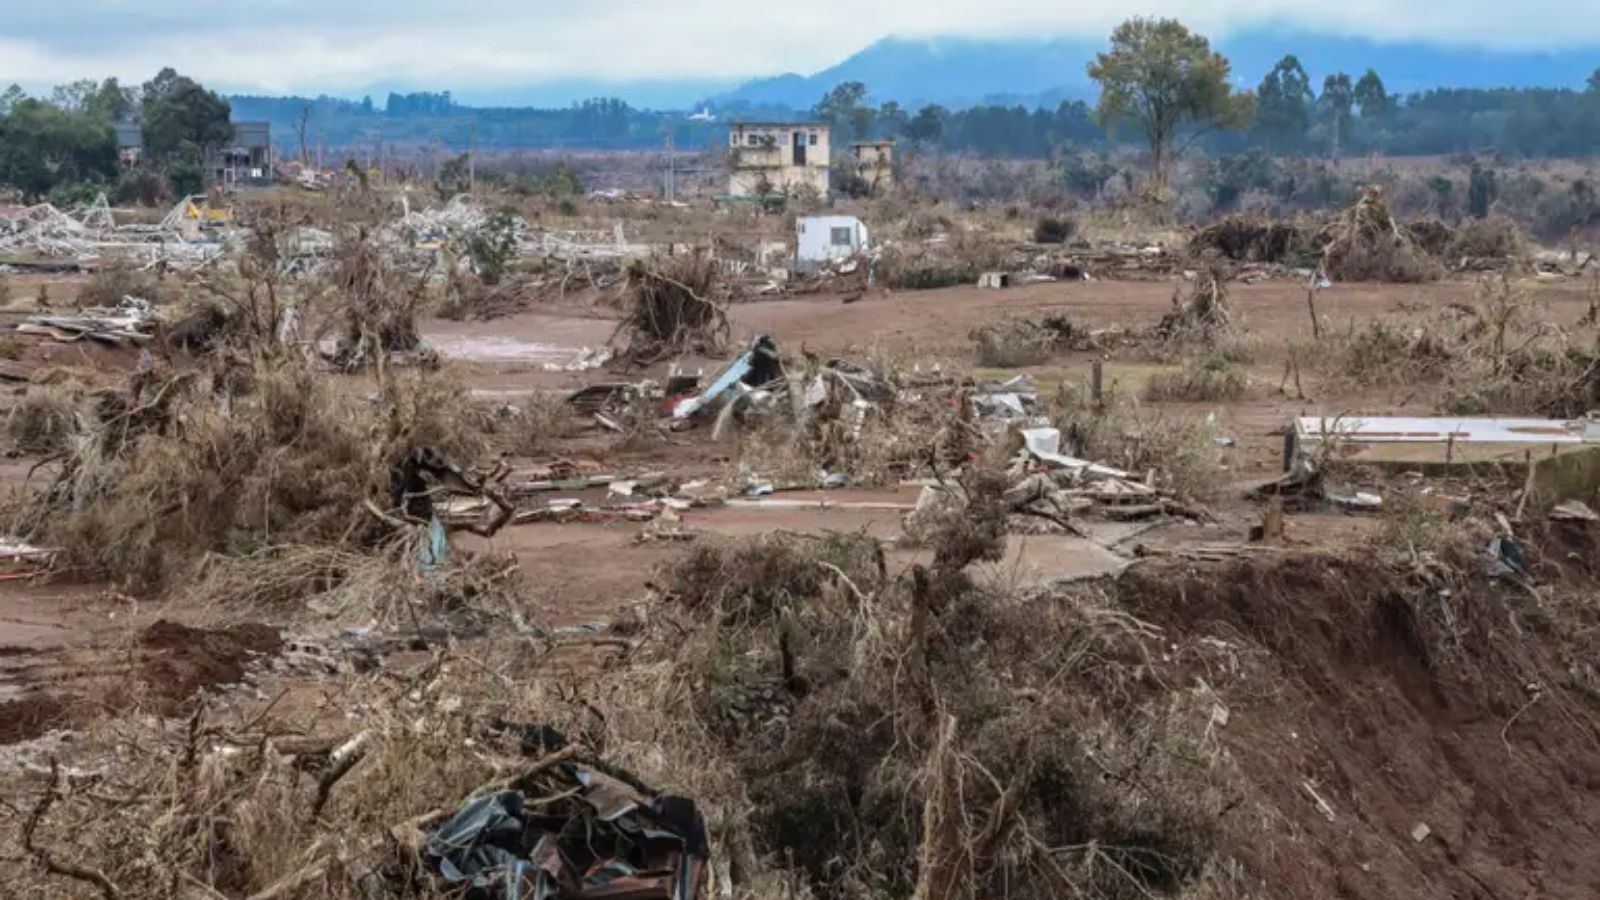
pixel 393 549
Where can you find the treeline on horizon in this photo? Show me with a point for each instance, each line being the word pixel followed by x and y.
pixel 64 145
pixel 1348 115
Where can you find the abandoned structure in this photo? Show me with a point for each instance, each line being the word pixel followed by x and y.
pixel 247 159
pixel 130 143
pixel 777 158
pixel 873 163
pixel 825 239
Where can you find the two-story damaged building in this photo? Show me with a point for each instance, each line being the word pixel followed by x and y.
pixel 873 163
pixel 777 158
pixel 247 158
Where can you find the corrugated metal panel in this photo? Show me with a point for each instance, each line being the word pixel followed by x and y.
pixel 1438 429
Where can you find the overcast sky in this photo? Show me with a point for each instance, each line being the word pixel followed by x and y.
pixel 343 46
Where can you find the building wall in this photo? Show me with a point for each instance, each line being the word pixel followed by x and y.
pixel 767 152
pixel 814 238
pixel 875 164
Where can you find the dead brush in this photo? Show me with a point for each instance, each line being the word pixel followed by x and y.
pixel 1201 313
pixel 1175 449
pixel 531 425
pixel 1016 343
pixel 375 304
pixel 670 308
pixel 43 420
pixel 1203 379
pixel 1496 241
pixel 1368 244
pixel 879 445
pixel 150 486
pixel 890 708
pixel 1513 360
pixel 110 283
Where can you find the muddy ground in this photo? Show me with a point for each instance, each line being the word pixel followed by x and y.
pixel 1355 713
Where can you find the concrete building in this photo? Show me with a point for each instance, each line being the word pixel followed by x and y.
pixel 247 159
pixel 130 142
pixel 824 239
pixel 777 158
pixel 873 162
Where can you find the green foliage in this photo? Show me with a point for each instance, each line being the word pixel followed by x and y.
pixel 1371 96
pixel 107 101
pixel 927 126
pixel 1337 104
pixel 187 175
pixel 493 247
pixel 144 186
pixel 181 118
pixel 1055 230
pixel 1283 105
pixel 1482 190
pixel 453 178
pixel 1085 174
pixel 43 146
pixel 557 181
pixel 1236 173
pixel 845 109
pixel 67 195
pixel 1164 78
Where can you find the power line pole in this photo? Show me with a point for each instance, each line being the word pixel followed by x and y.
pixel 671 173
pixel 472 155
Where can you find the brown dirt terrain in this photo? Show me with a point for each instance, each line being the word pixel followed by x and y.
pixel 1361 703
pixel 1453 761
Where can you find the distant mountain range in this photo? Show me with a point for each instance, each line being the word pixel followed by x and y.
pixel 959 72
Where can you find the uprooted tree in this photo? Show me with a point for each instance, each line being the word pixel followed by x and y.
pixel 671 308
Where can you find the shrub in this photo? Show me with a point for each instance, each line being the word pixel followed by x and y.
pixel 1014 344
pixel 1202 379
pixel 1053 230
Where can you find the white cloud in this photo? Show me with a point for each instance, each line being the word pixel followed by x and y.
pixel 302 45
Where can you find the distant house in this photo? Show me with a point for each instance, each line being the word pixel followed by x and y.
pixel 247 158
pixel 826 239
pixel 873 162
pixel 130 142
pixel 777 158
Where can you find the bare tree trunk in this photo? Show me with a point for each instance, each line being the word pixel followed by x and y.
pixel 305 120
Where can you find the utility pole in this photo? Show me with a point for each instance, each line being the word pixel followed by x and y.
pixel 321 143
pixel 671 179
pixel 380 153
pixel 472 155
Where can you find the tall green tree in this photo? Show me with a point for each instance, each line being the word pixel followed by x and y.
pixel 1165 79
pixel 11 97
pixel 1283 105
pixel 927 126
pixel 108 101
pixel 43 146
pixel 1371 96
pixel 846 111
pixel 1338 104
pixel 181 118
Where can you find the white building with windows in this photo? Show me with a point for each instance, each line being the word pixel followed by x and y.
pixel 777 158
pixel 826 239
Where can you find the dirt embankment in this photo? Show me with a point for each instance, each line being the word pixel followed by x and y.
pixel 1408 736
pixel 172 663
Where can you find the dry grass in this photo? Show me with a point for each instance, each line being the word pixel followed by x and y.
pixel 1176 449
pixel 1203 379
pixel 1367 244
pixel 43 420
pixel 1016 343
pixel 153 484
pixel 670 307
